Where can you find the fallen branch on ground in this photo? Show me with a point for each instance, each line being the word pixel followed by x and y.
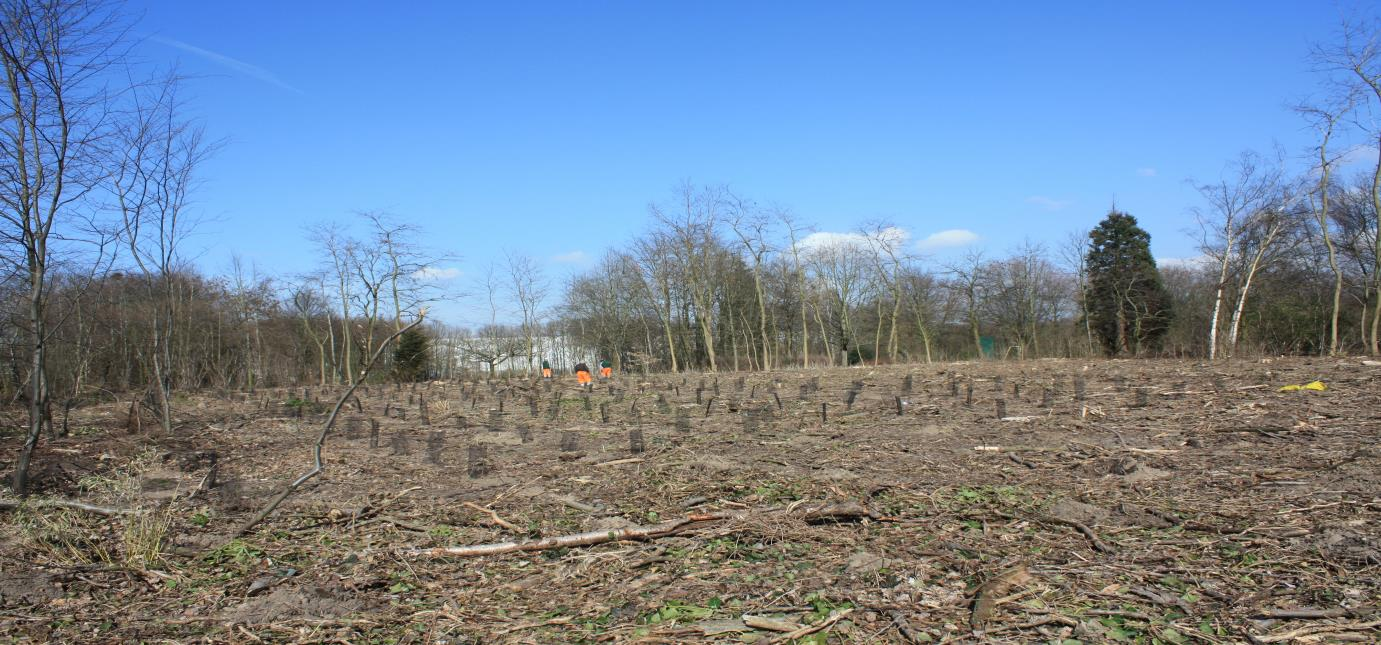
pixel 770 624
pixel 807 631
pixel 10 505
pixel 370 511
pixel 838 512
pixel 1316 630
pixel 493 517
pixel 1098 545
pixel 588 538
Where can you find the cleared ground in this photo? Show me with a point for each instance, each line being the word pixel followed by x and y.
pixel 1170 502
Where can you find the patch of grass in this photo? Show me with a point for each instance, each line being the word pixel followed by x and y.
pixel 441 531
pixel 63 536
pixel 236 552
pixel 986 496
pixel 144 534
pixel 821 606
pixel 674 611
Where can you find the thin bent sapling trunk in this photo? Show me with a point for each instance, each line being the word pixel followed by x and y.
pixel 318 464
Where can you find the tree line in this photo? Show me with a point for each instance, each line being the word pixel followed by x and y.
pixel 100 162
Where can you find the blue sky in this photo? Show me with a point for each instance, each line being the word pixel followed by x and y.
pixel 548 128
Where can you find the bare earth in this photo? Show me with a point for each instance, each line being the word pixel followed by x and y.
pixel 1177 502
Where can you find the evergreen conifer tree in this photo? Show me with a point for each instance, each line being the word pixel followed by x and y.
pixel 410 357
pixel 1128 307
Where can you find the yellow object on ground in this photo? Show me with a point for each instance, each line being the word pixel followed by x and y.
pixel 1316 386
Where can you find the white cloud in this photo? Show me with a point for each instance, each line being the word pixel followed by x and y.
pixel 573 257
pixel 1195 262
pixel 825 239
pixel 1146 172
pixel 1048 203
pixel 892 236
pixel 436 273
pixel 252 71
pixel 948 239
pixel 1364 153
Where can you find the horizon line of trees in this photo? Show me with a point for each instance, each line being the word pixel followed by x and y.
pixel 99 162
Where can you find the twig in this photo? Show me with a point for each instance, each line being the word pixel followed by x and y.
pixel 1316 629
pixel 206 480
pixel 1049 618
pixel 770 624
pixel 576 504
pixel 375 510
pixel 807 631
pixel 493 517
pixel 1311 614
pixel 400 524
pixel 619 462
pixel 1098 545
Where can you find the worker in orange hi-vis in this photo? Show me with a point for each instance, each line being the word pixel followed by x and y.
pixel 606 370
pixel 546 369
pixel 582 374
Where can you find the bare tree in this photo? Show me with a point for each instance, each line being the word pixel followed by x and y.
pixel 405 262
pixel 886 241
pixel 339 250
pixel 529 291
pixel 1245 193
pixel 968 282
pixel 793 230
pixel 1074 254
pixel 691 230
pixel 752 226
pixel 1326 118
pixel 52 130
pixel 840 266
pixel 311 305
pixel 655 278
pixel 1357 55
pixel 152 181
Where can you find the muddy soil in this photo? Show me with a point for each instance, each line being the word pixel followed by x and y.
pixel 1046 501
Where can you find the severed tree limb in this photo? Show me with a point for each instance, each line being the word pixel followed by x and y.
pixel 807 631
pixel 1315 630
pixel 318 464
pixel 770 624
pixel 10 505
pixel 588 538
pixel 1313 614
pixel 1098 545
pixel 837 512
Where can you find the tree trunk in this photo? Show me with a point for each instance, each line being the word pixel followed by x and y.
pixel 1218 303
pixel 37 363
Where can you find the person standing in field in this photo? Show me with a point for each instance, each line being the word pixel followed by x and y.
pixel 606 370
pixel 546 369
pixel 582 374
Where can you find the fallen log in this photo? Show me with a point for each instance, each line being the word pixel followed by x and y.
pixel 10 505
pixel 588 538
pixel 842 512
